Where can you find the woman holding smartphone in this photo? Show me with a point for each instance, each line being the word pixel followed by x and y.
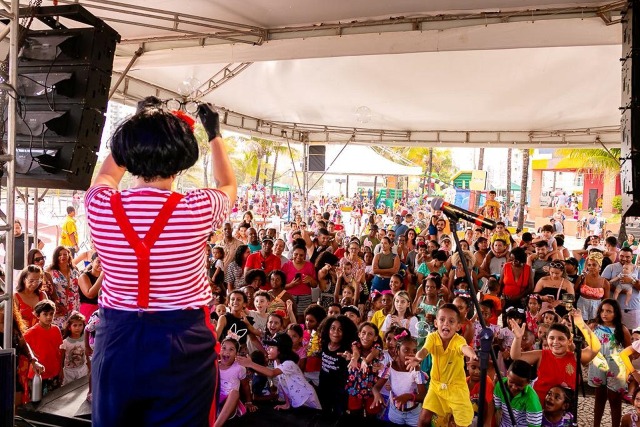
pixel 301 277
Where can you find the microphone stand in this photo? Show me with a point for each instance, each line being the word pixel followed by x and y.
pixel 486 337
pixel 578 341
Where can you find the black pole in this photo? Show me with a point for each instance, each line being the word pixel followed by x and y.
pixel 486 336
pixel 578 341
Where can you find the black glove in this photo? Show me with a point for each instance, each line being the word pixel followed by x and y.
pixel 210 120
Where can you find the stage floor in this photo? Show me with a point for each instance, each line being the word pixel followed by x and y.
pixel 67 406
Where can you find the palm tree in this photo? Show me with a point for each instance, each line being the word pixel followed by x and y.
pixel 595 160
pixel 523 186
pixel 442 160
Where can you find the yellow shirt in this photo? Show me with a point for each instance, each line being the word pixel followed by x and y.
pixel 68 228
pixel 492 210
pixel 448 365
pixel 378 319
pixel 505 237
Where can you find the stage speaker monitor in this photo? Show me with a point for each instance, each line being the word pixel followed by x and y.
pixel 64 76
pixel 317 158
pixel 7 385
pixel 630 120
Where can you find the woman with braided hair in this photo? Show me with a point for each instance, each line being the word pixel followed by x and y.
pixel 592 287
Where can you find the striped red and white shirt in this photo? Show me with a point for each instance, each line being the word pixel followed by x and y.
pixel 178 277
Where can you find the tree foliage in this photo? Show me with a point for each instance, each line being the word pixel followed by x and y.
pixel 595 160
pixel 442 162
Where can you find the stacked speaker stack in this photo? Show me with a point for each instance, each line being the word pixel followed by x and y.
pixel 630 121
pixel 64 75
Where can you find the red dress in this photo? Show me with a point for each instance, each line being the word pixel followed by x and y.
pixel 553 371
pixel 26 310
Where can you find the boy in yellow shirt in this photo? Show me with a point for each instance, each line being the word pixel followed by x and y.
pixel 448 392
pixel 491 207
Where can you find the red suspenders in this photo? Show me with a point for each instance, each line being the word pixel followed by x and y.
pixel 143 247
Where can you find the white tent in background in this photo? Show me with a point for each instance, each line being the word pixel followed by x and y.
pixel 361 160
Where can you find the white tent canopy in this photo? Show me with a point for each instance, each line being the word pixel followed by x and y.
pixel 453 72
pixel 359 160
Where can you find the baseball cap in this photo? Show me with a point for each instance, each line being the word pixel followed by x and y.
pixel 350 309
pixel 282 341
pixel 445 237
pixel 267 239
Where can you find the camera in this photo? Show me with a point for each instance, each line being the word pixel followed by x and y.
pixel 568 300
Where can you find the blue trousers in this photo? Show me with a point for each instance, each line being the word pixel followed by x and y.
pixel 153 369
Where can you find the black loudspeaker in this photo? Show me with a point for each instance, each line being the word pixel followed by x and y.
pixel 7 386
pixel 630 121
pixel 64 75
pixel 316 158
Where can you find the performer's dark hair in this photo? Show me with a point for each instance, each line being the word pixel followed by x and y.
pixel 154 144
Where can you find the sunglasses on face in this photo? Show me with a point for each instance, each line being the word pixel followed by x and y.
pixel 39 258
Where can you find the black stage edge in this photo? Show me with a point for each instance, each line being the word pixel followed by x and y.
pixel 66 406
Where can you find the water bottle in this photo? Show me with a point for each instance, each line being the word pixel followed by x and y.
pixel 36 388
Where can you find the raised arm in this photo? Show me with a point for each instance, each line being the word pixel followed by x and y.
pixel 222 172
pixel 110 173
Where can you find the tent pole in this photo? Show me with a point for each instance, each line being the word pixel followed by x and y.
pixel 375 188
pixel 305 175
pixel 346 191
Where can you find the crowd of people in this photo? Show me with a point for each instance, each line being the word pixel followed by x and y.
pixel 375 324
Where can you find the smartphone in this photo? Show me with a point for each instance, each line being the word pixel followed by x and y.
pixel 298 276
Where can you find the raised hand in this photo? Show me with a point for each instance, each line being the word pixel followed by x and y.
pixel 518 331
pixel 210 120
pixel 412 363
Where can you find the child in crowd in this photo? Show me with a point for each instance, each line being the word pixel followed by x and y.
pixel 275 325
pixel 548 317
pixel 486 310
pixel 261 300
pixel 407 387
pixel 292 387
pixel 45 340
pixel 473 382
pixel 379 316
pixel 633 361
pixel 90 341
pixel 463 304
pixel 334 309
pixel 555 408
pixel 395 283
pixel 348 292
pixel 626 288
pixel 352 312
pixel 313 317
pixel 337 334
pixel 448 393
pixel 295 333
pixel 365 352
pixel 346 278
pixel 401 314
pixel 236 323
pixel 426 302
pixel 232 377
pixel 533 311
pixel 526 407
pixel 74 353
pixel 375 304
pixel 558 363
pixel 606 371
pixel 493 294
pixel 633 419
pixel 541 337
pixel 217 266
